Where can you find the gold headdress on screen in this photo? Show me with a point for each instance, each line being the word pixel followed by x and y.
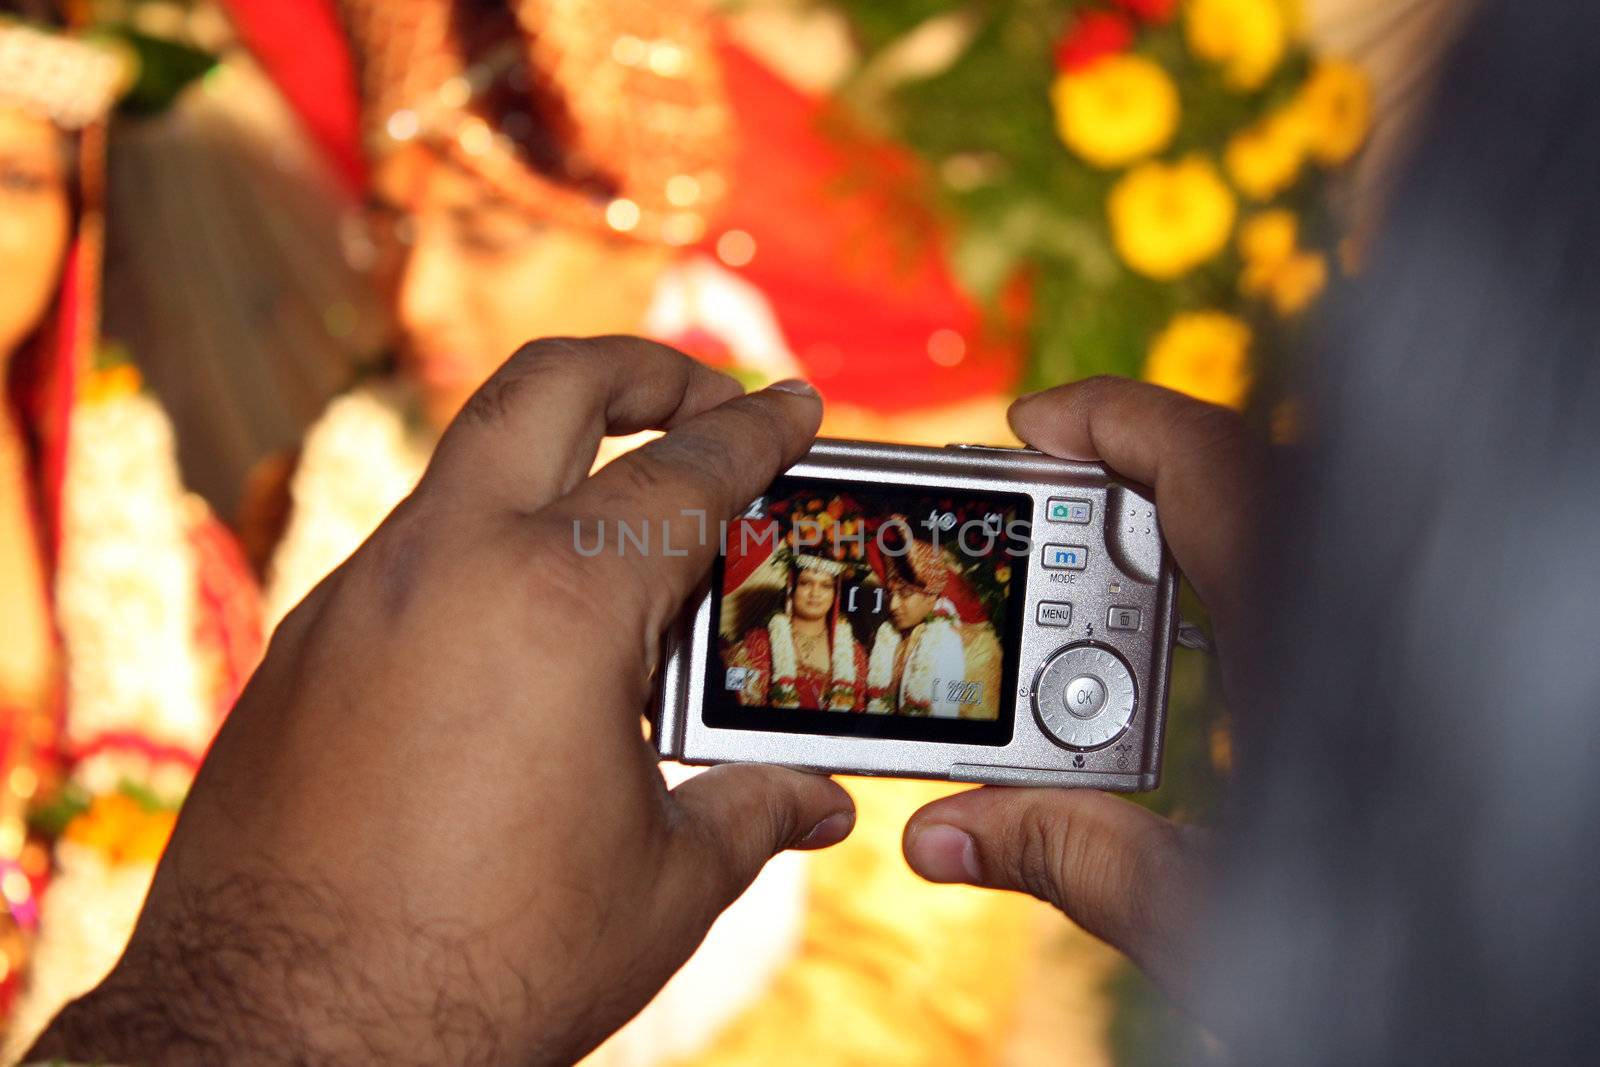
pixel 917 565
pixel 603 114
pixel 833 568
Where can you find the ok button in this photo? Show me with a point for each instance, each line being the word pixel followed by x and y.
pixel 1085 695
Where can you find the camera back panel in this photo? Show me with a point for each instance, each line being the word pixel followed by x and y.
pixel 1070 625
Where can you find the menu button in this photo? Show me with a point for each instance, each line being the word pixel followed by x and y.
pixel 1055 613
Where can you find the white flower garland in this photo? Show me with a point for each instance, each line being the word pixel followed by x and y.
pixel 935 658
pixel 126 591
pixel 85 919
pixel 359 461
pixel 841 695
pixel 880 669
pixel 783 690
pixel 126 586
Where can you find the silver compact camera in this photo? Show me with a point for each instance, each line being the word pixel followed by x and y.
pixel 966 613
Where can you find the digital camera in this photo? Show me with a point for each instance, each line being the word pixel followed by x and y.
pixel 966 613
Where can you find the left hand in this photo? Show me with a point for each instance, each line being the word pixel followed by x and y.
pixel 432 830
pixel 1121 872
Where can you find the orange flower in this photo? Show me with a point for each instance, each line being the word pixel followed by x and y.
pixel 111 383
pixel 1275 267
pixel 122 829
pixel 1336 102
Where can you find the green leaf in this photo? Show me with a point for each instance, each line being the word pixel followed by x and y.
pixel 165 69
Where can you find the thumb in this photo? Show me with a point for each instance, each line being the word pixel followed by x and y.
pixel 732 819
pixel 1126 875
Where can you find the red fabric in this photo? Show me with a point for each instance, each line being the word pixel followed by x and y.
pixel 228 619
pixel 302 46
pixel 850 252
pixel 811 686
pixel 154 751
pixel 44 383
pixel 968 605
pixel 1090 36
pixel 747 551
pixel 1149 10
pixel 957 590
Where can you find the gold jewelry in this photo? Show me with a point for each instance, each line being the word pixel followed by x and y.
pixel 71 82
pixel 810 645
pixel 623 100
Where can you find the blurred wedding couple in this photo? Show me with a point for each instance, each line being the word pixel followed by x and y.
pixel 936 654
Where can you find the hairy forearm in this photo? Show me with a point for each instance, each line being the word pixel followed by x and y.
pixel 270 971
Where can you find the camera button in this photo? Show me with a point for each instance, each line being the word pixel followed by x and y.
pixel 1122 619
pixel 1085 696
pixel 1064 557
pixel 1055 613
pixel 1067 509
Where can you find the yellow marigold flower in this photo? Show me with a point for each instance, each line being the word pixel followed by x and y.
pixel 1275 267
pixel 1266 159
pixel 1295 20
pixel 1266 242
pixel 1336 106
pixel 1117 110
pixel 1245 37
pixel 1298 282
pixel 1167 218
pixel 1204 354
pixel 1269 238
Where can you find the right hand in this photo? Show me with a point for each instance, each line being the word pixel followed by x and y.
pixel 1121 872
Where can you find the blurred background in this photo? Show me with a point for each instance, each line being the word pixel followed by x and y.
pixel 257 252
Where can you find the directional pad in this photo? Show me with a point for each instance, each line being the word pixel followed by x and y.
pixel 1085 696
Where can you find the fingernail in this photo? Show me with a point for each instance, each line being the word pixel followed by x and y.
pixel 944 854
pixel 797 386
pixel 829 831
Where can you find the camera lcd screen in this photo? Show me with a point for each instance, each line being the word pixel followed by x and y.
pixel 859 609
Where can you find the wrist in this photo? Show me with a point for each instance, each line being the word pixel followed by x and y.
pixel 258 972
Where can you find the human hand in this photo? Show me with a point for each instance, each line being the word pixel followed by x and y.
pixel 432 830
pixel 1123 873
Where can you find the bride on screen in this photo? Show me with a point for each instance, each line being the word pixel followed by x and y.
pixel 806 656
